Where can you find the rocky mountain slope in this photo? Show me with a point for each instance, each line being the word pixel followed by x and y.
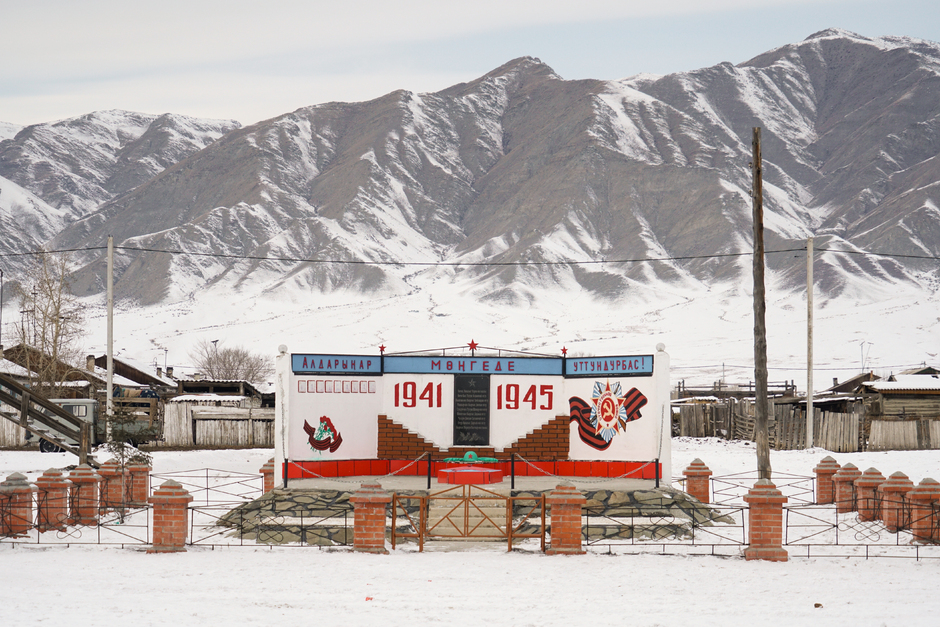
pixel 518 166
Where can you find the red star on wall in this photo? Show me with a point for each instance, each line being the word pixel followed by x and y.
pixel 382 348
pixel 473 345
pixel 564 351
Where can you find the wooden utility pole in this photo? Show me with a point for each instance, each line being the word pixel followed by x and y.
pixel 809 343
pixel 109 406
pixel 760 314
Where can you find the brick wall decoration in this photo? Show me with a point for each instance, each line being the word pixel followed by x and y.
pixel 547 443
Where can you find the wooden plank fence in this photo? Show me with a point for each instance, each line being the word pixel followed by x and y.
pixel 834 431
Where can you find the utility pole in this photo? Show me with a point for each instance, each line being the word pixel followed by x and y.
pixel 809 343
pixel 109 407
pixel 760 314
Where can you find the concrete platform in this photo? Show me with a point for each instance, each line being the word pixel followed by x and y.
pixel 396 482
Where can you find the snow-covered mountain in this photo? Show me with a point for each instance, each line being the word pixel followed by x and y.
pixel 520 165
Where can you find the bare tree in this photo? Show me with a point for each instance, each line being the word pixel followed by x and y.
pixel 50 324
pixel 231 364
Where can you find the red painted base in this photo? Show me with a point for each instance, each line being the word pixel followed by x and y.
pixel 469 475
pixel 380 467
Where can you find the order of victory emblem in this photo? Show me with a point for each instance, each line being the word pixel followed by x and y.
pixel 324 436
pixel 607 414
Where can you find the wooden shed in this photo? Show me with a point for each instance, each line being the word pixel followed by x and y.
pixel 217 421
pixel 904 412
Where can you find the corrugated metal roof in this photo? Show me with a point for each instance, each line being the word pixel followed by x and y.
pixel 907 383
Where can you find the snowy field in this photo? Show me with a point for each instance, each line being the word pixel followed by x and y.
pixel 86 585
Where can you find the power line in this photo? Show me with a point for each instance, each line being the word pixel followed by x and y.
pixel 359 262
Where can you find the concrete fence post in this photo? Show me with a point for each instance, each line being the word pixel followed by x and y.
pixel 825 488
pixel 83 499
pixel 52 492
pixel 170 518
pixel 16 506
pixel 369 503
pixel 765 523
pixel 697 477
pixel 565 503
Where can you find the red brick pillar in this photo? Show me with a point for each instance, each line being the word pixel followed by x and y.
pixel 139 483
pixel 52 499
pixel 697 480
pixel 844 481
pixel 83 500
pixel 113 481
pixel 16 506
pixel 895 510
pixel 825 488
pixel 267 472
pixel 765 523
pixel 170 518
pixel 565 503
pixel 369 504
pixel 924 500
pixel 865 488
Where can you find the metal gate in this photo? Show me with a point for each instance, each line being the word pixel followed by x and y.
pixel 467 512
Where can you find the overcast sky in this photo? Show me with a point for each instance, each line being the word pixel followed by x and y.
pixel 250 61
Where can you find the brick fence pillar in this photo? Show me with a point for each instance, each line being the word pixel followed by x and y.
pixel 113 484
pixel 267 471
pixel 369 503
pixel 844 481
pixel 765 523
pixel 52 492
pixel 139 483
pixel 924 520
pixel 866 487
pixel 565 503
pixel 83 500
pixel 895 510
pixel 697 479
pixel 170 518
pixel 825 488
pixel 16 506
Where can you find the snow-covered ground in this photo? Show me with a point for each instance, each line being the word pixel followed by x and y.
pixel 89 584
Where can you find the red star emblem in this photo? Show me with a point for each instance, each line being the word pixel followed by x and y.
pixel 564 351
pixel 473 345
pixel 382 348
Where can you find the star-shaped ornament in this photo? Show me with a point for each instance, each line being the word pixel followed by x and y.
pixel 473 345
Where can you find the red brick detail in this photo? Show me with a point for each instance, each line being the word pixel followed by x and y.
pixel 16 499
pixel 83 500
pixel 825 488
pixel 565 503
pixel 52 499
pixel 924 500
pixel 865 488
pixel 765 523
pixel 267 471
pixel 115 481
pixel 396 442
pixel 895 508
pixel 697 480
pixel 369 503
pixel 844 481
pixel 170 518
pixel 139 483
pixel 548 443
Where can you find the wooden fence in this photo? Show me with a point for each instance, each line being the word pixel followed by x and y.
pixel 786 424
pixel 193 424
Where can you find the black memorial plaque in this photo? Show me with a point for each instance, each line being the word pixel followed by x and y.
pixel 471 410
